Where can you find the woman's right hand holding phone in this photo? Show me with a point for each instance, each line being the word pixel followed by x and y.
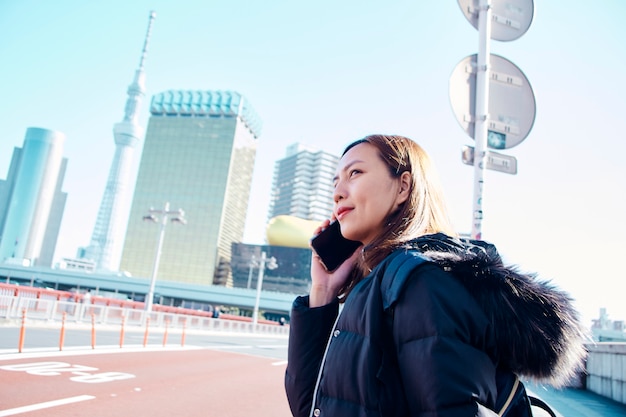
pixel 325 285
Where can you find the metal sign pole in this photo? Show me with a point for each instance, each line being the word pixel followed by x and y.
pixel 495 80
pixel 481 113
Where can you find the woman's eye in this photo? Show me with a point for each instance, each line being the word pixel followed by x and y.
pixel 354 172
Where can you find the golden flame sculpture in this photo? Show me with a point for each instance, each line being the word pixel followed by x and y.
pixel 290 231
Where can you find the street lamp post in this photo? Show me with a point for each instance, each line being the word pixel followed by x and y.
pixel 271 264
pixel 252 265
pixel 177 216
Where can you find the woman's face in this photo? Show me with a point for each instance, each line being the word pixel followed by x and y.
pixel 365 193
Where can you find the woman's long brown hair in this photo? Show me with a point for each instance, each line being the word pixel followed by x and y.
pixel 424 212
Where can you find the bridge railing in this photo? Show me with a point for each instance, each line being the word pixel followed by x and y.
pixel 43 310
pixel 606 370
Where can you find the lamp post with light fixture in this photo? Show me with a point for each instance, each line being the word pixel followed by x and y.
pixel 264 262
pixel 177 216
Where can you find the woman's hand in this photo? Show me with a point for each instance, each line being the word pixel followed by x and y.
pixel 325 285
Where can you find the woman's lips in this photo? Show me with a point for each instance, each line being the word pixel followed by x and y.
pixel 341 212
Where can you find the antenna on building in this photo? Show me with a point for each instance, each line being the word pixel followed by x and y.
pixel 144 52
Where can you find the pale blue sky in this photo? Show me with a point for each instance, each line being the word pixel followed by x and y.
pixel 327 72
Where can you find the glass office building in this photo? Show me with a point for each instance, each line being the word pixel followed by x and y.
pixel 31 200
pixel 198 156
pixel 303 184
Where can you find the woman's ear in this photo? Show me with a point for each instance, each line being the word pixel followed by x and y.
pixel 405 187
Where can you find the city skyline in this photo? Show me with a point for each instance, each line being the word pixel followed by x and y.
pixel 326 74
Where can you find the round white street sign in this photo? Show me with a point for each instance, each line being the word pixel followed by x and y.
pixel 511 104
pixel 510 18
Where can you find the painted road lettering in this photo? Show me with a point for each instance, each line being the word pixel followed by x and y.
pixel 81 373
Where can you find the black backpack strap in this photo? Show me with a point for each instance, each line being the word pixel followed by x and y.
pixel 397 269
pixel 519 404
pixel 510 397
pixel 537 402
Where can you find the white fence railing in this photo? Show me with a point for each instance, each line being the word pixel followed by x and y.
pixel 45 310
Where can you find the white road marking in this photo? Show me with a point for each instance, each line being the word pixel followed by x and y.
pixel 47 404
pixel 37 353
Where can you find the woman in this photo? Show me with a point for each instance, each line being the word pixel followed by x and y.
pixel 431 325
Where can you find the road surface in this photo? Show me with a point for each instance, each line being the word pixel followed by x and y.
pixel 142 382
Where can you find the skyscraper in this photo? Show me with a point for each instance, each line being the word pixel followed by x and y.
pixel 107 239
pixel 199 156
pixel 31 200
pixel 303 184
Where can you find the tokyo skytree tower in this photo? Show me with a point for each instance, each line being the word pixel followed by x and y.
pixel 107 239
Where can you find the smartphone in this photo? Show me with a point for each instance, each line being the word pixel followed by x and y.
pixel 332 247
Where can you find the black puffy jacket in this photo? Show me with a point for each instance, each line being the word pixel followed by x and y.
pixel 443 335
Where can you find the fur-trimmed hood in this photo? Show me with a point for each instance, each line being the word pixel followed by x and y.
pixel 538 330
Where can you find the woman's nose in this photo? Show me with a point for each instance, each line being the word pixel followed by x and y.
pixel 338 193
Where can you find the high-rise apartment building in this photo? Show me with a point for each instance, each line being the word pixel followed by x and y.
pixel 31 200
pixel 198 156
pixel 303 184
pixel 107 239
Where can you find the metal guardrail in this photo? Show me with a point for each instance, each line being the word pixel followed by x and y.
pixel 51 310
